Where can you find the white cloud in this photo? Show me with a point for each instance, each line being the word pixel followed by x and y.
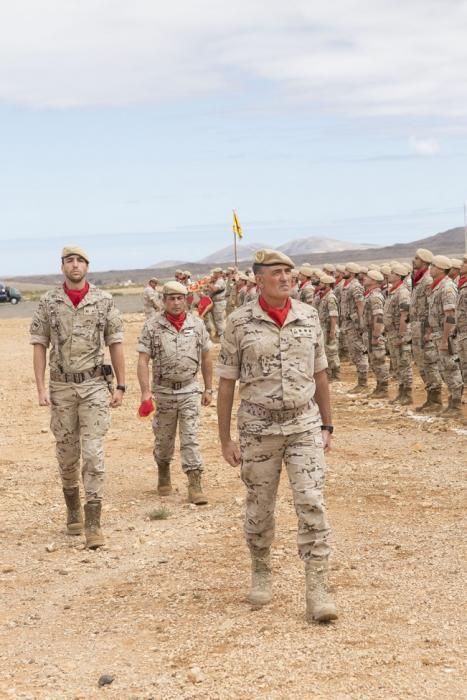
pixel 424 147
pixel 377 57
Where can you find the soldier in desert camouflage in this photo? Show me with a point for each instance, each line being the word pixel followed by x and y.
pixel 178 345
pixel 77 321
pixel 328 317
pixel 275 348
pixel 151 298
pixel 441 328
pixel 461 319
pixel 374 331
pixel 352 303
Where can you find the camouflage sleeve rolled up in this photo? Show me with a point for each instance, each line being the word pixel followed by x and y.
pixel 404 298
pixel 113 330
pixel 40 325
pixel 145 341
pixel 356 291
pixel 206 343
pixel 228 363
pixel 449 297
pixel 321 361
pixel 333 310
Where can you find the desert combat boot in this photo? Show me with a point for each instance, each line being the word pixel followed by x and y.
pixel 74 514
pixel 195 492
pixel 361 386
pixel 319 606
pixel 164 485
pixel 381 391
pixel 261 580
pixel 433 402
pixel 92 524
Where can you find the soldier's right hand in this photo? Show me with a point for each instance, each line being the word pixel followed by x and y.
pixel 231 453
pixel 43 398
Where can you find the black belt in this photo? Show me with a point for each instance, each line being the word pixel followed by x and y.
pixel 76 377
pixel 276 415
pixel 176 386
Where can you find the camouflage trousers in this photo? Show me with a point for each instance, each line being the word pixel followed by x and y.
pixel 449 368
pixel 184 410
pixel 377 359
pixel 209 323
pixel 401 359
pixel 218 314
pixel 462 350
pixel 423 354
pixel 80 418
pixel 357 349
pixel 303 456
pixel 331 350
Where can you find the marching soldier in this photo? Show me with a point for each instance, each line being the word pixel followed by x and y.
pixel 441 326
pixel 151 298
pixel 374 327
pixel 396 323
pixel 461 319
pixel 217 288
pixel 274 346
pixel 178 345
pixel 77 321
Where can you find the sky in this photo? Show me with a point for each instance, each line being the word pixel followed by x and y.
pixel 133 129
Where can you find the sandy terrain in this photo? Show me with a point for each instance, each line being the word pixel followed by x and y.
pixel 166 596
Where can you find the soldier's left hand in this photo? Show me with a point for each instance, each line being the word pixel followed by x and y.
pixel 206 398
pixel 326 435
pixel 117 398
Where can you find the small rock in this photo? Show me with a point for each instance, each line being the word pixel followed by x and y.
pixel 44 430
pixel 105 679
pixel 50 547
pixel 195 675
pixel 8 569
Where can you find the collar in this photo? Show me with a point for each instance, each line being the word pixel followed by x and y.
pixel 437 281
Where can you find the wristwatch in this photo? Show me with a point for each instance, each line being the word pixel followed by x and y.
pixel 329 428
pixel 208 391
pixel 121 387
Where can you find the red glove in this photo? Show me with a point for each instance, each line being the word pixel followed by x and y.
pixel 146 408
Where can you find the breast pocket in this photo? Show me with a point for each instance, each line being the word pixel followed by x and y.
pixel 303 341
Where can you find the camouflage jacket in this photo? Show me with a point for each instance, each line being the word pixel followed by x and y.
pixel 176 357
pixel 419 299
pixel 442 298
pixel 350 295
pixel 461 312
pixel 77 336
pixel 374 306
pixel 327 309
pixel 397 303
pixel 151 300
pixel 306 294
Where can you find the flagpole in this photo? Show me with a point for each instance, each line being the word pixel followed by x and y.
pixel 235 243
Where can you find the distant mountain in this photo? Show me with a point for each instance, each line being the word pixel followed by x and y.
pixel 315 244
pixel 245 251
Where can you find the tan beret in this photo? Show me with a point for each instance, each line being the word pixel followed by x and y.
pixel 153 279
pixel 306 271
pixel 242 276
pixel 179 272
pixel 399 269
pixel 424 254
pixel 329 267
pixel 441 261
pixel 74 250
pixel 373 266
pixel 364 269
pixel 456 263
pixel 327 279
pixel 187 273
pixel 408 268
pixel 268 257
pixel 353 268
pixel 215 270
pixel 340 268
pixel 375 275
pixel 385 269
pixel 174 287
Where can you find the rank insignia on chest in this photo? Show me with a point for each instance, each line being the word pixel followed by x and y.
pixel 305 332
pixel 88 311
pixel 188 331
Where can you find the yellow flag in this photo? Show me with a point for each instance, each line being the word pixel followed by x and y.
pixel 237 229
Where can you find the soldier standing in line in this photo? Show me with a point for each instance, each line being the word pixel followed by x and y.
pixel 328 316
pixel 455 269
pixel 352 302
pixel 275 347
pixel 217 288
pixel 441 327
pixel 78 320
pixel 251 293
pixel 424 353
pixel 178 345
pixel 306 290
pixel 396 323
pixel 151 298
pixel 340 281
pixel 461 319
pixel 374 327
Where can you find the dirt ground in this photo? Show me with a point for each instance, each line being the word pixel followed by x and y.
pixel 161 608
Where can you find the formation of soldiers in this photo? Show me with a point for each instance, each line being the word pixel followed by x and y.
pixel 383 318
pixel 284 332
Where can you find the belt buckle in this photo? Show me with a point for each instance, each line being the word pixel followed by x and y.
pixel 176 386
pixel 78 377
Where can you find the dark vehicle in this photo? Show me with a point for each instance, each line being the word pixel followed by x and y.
pixel 10 294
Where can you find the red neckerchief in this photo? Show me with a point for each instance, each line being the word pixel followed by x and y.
pixel 339 278
pixel 435 283
pixel 347 281
pixel 302 284
pixel 395 287
pixel 176 321
pixel 371 289
pixel 417 275
pixel 76 295
pixel 461 281
pixel 277 315
pixel 322 292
